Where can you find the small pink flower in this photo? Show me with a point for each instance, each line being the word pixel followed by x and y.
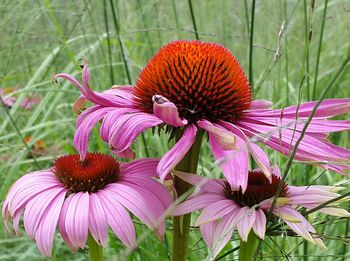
pixel 224 210
pixel 87 196
pixel 193 85
pixel 10 100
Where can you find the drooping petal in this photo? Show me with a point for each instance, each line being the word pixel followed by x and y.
pixel 45 232
pixel 260 105
pixel 310 149
pixel 258 154
pixel 234 163
pixel 37 208
pixel 215 211
pixel 118 218
pixel 175 155
pixel 140 202
pixel 127 127
pixel 27 187
pixel 139 168
pixel 223 232
pixel 94 97
pixel 110 119
pixel 294 220
pixel 205 184
pixel 246 218
pixel 259 226
pixel 207 232
pixel 328 108
pixel 167 111
pixel 225 139
pixel 98 225
pixel 196 203
pixel 153 187
pixel 74 219
pixel 81 136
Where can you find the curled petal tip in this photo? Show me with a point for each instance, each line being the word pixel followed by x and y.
pixel 54 79
pixel 167 111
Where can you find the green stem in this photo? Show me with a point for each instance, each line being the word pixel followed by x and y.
pixel 181 224
pixel 96 251
pixel 247 249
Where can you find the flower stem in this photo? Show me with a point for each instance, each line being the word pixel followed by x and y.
pixel 247 249
pixel 181 224
pixel 96 251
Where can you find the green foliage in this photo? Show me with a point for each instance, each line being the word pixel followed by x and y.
pixel 41 38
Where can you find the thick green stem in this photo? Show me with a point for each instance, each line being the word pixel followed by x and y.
pixel 96 251
pixel 247 249
pixel 181 224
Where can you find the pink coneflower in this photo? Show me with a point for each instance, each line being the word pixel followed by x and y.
pixel 225 209
pixel 191 85
pixel 85 197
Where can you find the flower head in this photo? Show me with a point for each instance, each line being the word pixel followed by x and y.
pixel 87 196
pixel 191 85
pixel 224 210
pixel 203 80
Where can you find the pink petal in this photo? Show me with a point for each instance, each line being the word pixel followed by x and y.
pixel 223 232
pixel 300 227
pixel 246 218
pixel 258 154
pixel 98 225
pixel 45 232
pixel 27 187
pixel 225 139
pixel 81 136
pixel 139 168
pixel 207 231
pixel 327 108
pixel 128 126
pixel 167 111
pixel 110 119
pixel 61 224
pixel 36 209
pixel 215 211
pixel 310 149
pixel 74 219
pixel 234 163
pixel 259 226
pixel 260 104
pixel 118 218
pixel 139 201
pixel 153 187
pixel 175 155
pixel 94 97
pixel 197 202
pixel 205 184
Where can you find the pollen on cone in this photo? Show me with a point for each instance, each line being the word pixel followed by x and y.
pixel 204 80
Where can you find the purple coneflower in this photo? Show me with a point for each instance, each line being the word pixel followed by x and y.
pixel 85 197
pixel 191 85
pixel 225 209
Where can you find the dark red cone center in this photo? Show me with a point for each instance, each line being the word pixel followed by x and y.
pixel 259 188
pixel 93 173
pixel 204 80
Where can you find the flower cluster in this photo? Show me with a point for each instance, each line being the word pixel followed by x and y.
pixel 187 87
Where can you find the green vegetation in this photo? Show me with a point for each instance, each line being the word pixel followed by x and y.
pixel 296 52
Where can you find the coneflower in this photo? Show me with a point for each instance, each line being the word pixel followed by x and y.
pixel 191 85
pixel 224 210
pixel 86 197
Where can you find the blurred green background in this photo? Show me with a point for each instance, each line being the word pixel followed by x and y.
pixel 295 52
